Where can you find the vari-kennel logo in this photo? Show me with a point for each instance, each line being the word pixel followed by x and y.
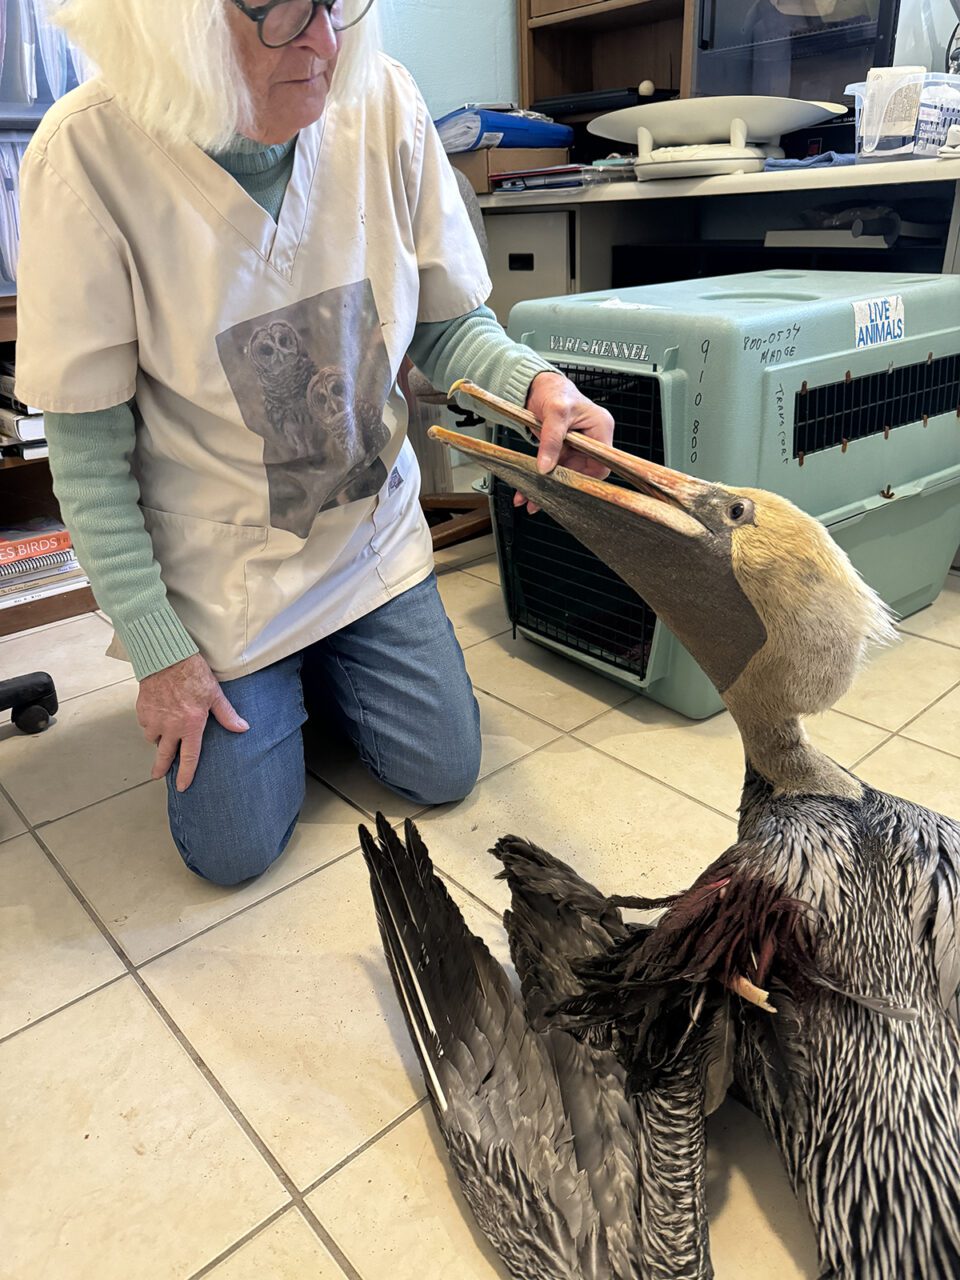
pixel 604 347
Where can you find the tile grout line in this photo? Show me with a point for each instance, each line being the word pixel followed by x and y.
pixel 497 915
pixel 848 715
pixel 731 817
pixel 28 825
pixel 926 746
pixel 365 1146
pixel 476 643
pixel 323 1235
pixel 471 570
pixel 899 732
pixel 618 706
pixel 212 1082
pixel 45 1017
pixel 48 822
pixel 244 1239
pixel 240 911
pixel 96 689
pixel 355 804
pixel 327 1240
pixel 929 707
pixel 182 942
pixel 916 635
pixel 558 729
pixel 443 569
pixel 891 734
pixel 47 626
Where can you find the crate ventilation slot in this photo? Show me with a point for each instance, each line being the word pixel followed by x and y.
pixel 854 409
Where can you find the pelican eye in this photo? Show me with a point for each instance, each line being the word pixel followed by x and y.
pixel 736 511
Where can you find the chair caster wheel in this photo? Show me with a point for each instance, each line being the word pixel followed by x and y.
pixel 32 701
pixel 31 719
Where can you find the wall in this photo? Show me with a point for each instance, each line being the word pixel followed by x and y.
pixel 466 50
pixel 457 50
pixel 923 30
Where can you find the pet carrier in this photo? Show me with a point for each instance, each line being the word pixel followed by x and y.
pixel 839 390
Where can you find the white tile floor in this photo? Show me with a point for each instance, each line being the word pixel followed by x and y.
pixel 205 1082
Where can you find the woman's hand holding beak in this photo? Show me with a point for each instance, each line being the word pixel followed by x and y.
pixel 560 408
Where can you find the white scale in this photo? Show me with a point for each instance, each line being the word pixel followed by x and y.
pixel 694 137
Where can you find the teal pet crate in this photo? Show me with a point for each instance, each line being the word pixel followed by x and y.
pixel 839 390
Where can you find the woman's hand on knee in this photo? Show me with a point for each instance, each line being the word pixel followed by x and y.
pixel 172 708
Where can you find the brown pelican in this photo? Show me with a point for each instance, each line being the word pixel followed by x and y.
pixel 567 1177
pixel 852 1058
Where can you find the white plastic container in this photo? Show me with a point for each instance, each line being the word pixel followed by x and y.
pixel 904 113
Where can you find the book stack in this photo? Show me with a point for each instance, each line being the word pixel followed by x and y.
pixel 36 561
pixel 22 433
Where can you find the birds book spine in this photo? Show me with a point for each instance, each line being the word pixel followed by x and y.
pixel 34 539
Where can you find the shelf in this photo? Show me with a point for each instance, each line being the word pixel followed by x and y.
pixel 22 115
pixel 609 14
pixel 7 464
pixel 585 46
pixel 840 177
pixel 69 604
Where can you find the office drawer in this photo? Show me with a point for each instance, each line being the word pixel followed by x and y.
pixel 529 257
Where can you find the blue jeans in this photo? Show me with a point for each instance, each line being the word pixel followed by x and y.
pixel 395 681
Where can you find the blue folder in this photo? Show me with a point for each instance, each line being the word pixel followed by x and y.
pixel 470 128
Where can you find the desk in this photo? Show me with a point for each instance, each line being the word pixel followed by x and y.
pixel 571 235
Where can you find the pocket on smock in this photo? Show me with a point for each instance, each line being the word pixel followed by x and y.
pixel 202 565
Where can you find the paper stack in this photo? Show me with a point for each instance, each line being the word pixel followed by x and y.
pixel 22 430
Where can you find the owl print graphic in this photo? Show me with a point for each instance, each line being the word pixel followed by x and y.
pixel 312 380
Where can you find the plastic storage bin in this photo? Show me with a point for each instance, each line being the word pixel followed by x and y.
pixel 904 115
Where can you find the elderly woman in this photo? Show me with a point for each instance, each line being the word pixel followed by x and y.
pixel 230 240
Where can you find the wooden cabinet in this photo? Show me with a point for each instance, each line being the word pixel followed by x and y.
pixel 8 318
pixel 578 46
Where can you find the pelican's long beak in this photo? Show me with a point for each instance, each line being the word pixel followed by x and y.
pixel 658 535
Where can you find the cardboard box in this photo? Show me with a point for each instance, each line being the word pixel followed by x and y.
pixel 478 165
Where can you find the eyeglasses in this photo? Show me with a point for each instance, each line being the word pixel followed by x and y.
pixel 280 21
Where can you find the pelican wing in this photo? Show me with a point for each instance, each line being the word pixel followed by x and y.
pixel 539 1127
pixel 668 989
pixel 556 919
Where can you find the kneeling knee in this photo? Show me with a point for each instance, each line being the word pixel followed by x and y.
pixel 449 779
pixel 227 861
pixel 234 870
pixel 228 868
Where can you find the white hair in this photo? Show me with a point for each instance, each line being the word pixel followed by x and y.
pixel 174 67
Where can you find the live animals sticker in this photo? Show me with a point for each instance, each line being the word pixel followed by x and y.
pixel 878 320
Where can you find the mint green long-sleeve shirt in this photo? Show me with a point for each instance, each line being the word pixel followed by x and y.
pixel 91 453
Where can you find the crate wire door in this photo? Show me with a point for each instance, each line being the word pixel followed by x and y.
pixel 554 587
